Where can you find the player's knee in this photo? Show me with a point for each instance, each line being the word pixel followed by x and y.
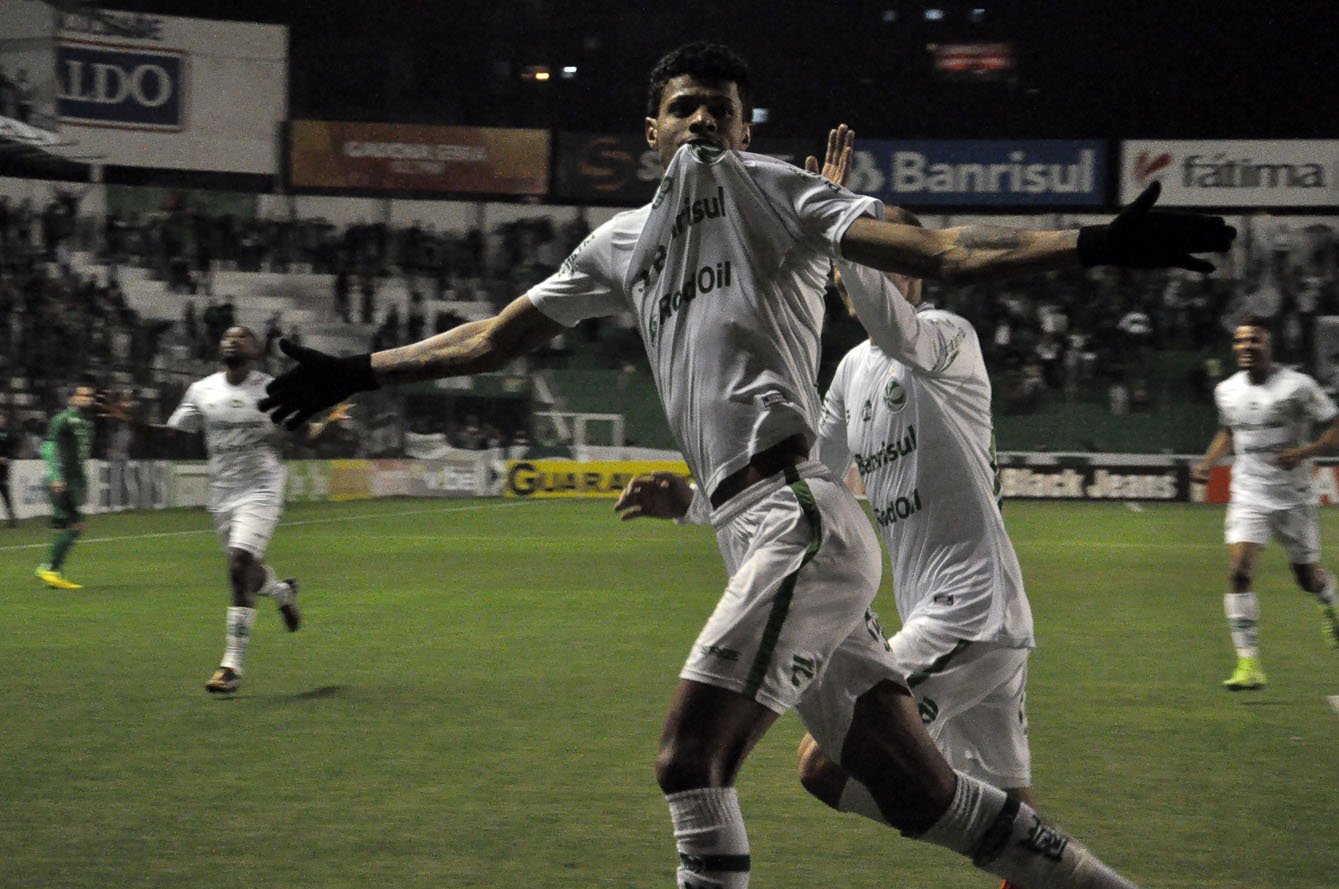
pixel 239 566
pixel 687 764
pixel 820 776
pixel 1241 578
pixel 1308 578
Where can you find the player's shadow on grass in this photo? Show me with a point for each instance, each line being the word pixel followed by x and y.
pixel 325 691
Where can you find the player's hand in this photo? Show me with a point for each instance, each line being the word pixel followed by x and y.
pixel 1289 458
pixel 318 381
pixel 339 412
pixel 660 495
pixel 837 161
pixel 116 408
pixel 1200 472
pixel 1143 238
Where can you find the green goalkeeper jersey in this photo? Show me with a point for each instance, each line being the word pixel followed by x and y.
pixel 68 443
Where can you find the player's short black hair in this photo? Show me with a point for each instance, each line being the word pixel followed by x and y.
pixel 711 62
pixel 1257 321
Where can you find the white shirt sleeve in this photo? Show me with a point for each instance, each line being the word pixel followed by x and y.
pixel 833 450
pixel 1319 406
pixel 584 286
pixel 188 417
pixel 813 208
pixel 929 344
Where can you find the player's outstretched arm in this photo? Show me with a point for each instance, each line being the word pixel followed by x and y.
pixel 317 428
pixel 122 410
pixel 1219 448
pixel 320 380
pixel 1139 237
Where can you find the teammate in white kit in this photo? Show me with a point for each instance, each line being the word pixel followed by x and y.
pixel 246 486
pixel 1265 415
pixel 724 273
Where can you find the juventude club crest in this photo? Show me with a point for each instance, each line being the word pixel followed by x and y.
pixel 894 396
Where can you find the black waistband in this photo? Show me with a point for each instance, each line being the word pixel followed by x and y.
pixel 766 463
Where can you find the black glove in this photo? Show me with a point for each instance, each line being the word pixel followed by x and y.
pixel 1155 239
pixel 318 381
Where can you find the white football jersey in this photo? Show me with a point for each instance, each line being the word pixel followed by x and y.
pixel 724 271
pixel 241 441
pixel 912 410
pixel 1264 420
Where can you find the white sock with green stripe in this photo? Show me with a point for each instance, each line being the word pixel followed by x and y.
pixel 1243 619
pixel 1007 838
pixel 713 845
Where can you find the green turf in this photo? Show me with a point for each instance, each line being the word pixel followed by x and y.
pixel 475 697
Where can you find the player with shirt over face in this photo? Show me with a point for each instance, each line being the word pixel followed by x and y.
pixel 911 407
pixel 246 486
pixel 1265 417
pixel 724 273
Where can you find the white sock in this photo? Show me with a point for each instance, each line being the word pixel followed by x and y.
pixel 239 623
pixel 857 800
pixel 1008 839
pixel 1243 619
pixel 274 588
pixel 713 845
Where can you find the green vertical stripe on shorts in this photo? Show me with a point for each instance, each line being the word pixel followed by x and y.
pixel 939 664
pixel 781 607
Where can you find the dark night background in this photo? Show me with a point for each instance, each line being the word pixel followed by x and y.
pixel 1160 69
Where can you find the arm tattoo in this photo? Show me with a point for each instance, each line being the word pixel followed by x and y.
pixel 988 237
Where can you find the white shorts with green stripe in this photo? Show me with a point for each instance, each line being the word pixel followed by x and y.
pixel 971 697
pixel 794 628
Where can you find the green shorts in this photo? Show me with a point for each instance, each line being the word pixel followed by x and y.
pixel 65 506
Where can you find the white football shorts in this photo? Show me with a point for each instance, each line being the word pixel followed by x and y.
pixel 248 523
pixel 971 699
pixel 793 628
pixel 1297 529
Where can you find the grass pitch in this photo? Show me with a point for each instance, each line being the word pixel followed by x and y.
pixel 475 696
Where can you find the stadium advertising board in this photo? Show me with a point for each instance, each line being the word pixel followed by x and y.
pixel 982 173
pixel 1094 481
pixel 538 479
pixel 113 486
pixel 413 158
pixel 172 93
pixel 619 168
pixel 1235 173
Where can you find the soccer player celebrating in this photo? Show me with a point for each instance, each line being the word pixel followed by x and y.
pixel 724 272
pixel 68 443
pixel 246 486
pixel 1265 417
pixel 912 406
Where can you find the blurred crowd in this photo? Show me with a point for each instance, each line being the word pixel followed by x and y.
pixel 1098 334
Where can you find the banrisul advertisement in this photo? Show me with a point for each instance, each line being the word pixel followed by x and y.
pixel 982 173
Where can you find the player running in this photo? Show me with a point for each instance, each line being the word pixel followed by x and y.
pixel 246 486
pixel 1265 416
pixel 68 443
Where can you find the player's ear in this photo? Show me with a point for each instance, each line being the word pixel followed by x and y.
pixel 747 139
pixel 652 133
